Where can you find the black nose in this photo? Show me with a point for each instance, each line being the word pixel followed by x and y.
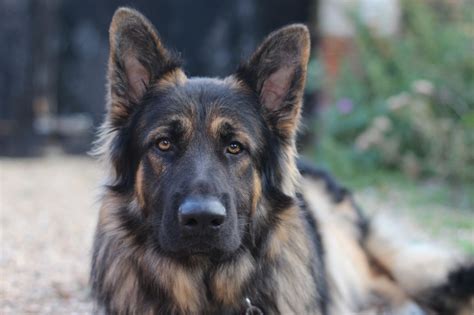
pixel 199 214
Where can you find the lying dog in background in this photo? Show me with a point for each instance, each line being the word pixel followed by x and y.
pixel 207 211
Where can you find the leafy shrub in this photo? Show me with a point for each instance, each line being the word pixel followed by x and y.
pixel 409 103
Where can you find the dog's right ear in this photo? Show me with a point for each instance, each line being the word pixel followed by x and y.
pixel 137 60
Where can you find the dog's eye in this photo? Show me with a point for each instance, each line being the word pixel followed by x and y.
pixel 164 144
pixel 234 148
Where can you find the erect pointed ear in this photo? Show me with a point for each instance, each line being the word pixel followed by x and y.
pixel 137 60
pixel 277 73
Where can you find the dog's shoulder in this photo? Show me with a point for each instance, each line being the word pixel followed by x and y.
pixel 329 199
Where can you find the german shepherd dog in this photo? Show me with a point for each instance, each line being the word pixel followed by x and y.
pixel 207 209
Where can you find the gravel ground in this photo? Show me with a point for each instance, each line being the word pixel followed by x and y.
pixel 48 212
pixel 47 219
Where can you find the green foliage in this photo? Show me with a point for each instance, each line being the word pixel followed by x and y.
pixel 409 102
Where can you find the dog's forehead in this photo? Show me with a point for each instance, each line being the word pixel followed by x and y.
pixel 201 99
pixel 211 93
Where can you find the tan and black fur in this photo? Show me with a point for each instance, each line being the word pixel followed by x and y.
pixel 292 241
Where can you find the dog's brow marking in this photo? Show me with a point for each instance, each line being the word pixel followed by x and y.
pixel 186 123
pixel 217 123
pixel 155 133
pixel 217 126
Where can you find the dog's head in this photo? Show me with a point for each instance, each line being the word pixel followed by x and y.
pixel 201 158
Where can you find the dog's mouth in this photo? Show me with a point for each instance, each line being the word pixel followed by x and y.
pixel 204 246
pixel 213 248
pixel 201 252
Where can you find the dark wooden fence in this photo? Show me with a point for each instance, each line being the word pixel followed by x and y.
pixel 53 56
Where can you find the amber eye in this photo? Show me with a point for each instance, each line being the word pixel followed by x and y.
pixel 234 148
pixel 164 144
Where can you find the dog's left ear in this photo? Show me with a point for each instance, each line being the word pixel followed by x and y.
pixel 277 73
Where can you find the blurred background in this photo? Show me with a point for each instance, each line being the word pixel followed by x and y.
pixel 389 109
